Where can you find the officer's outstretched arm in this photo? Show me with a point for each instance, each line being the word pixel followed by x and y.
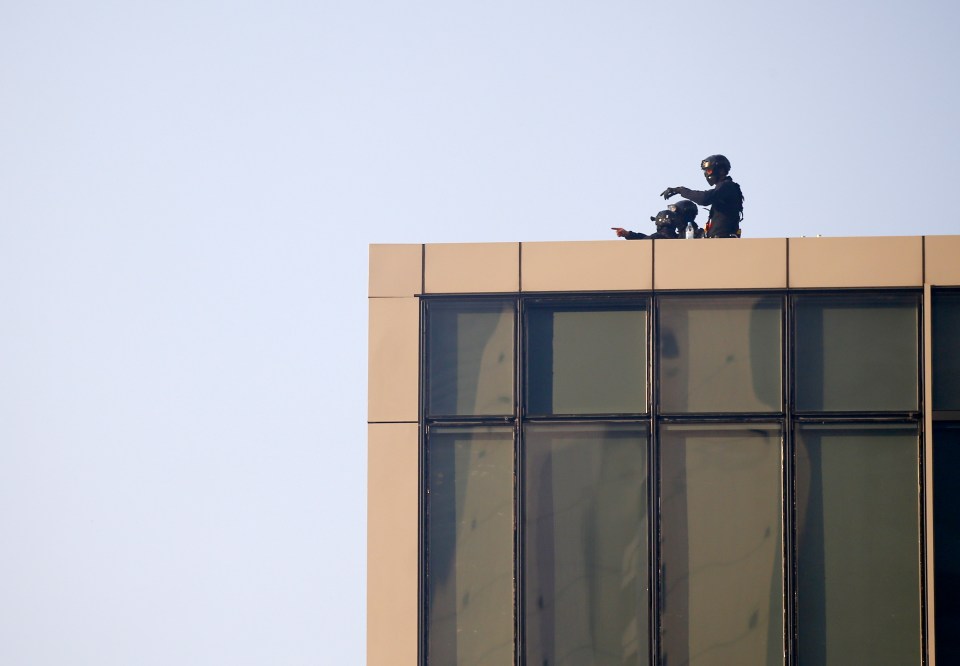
pixel 700 197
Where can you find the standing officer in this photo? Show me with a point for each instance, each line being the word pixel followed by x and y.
pixel 725 199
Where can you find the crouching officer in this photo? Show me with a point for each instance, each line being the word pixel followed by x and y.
pixel 725 199
pixel 671 223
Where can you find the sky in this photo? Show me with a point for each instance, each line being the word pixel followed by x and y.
pixel 188 191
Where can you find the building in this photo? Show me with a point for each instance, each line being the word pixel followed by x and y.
pixel 662 452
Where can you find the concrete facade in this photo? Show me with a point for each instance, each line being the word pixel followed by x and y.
pixel 400 273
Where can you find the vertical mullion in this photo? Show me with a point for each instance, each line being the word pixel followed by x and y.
pixel 519 401
pixel 653 472
pixel 791 636
pixel 422 504
pixel 925 386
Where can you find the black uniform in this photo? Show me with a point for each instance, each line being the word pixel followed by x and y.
pixel 660 233
pixel 726 207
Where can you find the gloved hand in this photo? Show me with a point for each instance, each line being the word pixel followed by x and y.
pixel 669 192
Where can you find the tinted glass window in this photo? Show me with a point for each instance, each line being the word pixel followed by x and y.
pixel 946 350
pixel 470 545
pixel 858 546
pixel 586 361
pixel 946 530
pixel 585 544
pixel 720 354
pixel 857 353
pixel 470 350
pixel 564 572
pixel 721 544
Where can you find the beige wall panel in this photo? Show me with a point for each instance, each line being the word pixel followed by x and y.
pixel 942 255
pixel 392 544
pixel 856 262
pixel 393 371
pixel 586 266
pixel 471 267
pixel 396 270
pixel 720 263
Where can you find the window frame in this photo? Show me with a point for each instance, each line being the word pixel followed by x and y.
pixel 583 303
pixel 952 293
pixel 788 419
pixel 796 297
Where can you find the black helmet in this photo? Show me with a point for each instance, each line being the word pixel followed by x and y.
pixel 667 219
pixel 686 210
pixel 713 166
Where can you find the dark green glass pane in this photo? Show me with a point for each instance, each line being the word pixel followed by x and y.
pixel 721 544
pixel 946 530
pixel 470 353
pixel 857 353
pixel 946 350
pixel 858 552
pixel 470 546
pixel 585 543
pixel 587 361
pixel 720 354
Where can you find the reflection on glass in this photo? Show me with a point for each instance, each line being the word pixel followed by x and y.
pixel 858 550
pixel 585 541
pixel 470 546
pixel 587 361
pixel 946 530
pixel 946 350
pixel 470 358
pixel 720 354
pixel 857 353
pixel 722 572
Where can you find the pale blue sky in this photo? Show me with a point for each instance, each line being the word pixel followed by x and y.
pixel 187 193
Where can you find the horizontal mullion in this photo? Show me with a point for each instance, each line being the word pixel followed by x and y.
pixel 631 416
pixel 857 417
pixel 468 421
pixel 721 417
